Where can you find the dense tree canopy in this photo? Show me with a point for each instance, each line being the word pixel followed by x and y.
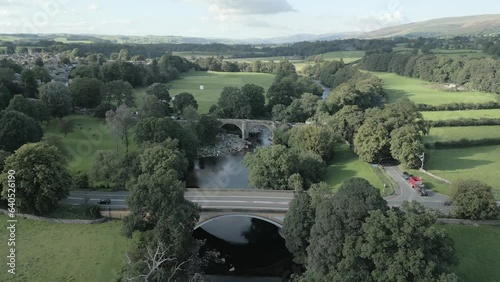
pixel 57 97
pixel 17 129
pixel 42 178
pixel 338 218
pixel 86 92
pixel 399 245
pixel 473 200
pixel 119 92
pixel 315 138
pixel 184 100
pixel 407 146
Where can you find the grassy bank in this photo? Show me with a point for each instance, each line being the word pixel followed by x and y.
pixel 62 252
pixel 213 83
pixel 346 165
pixel 423 92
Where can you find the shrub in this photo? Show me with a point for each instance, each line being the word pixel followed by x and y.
pixel 81 180
pixel 463 143
pixel 459 106
pixel 466 122
pixel 100 111
pixel 93 212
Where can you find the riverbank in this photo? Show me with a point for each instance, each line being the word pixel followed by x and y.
pixel 226 144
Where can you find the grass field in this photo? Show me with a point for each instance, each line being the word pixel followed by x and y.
pixel 481 163
pixel 457 133
pixel 213 83
pixel 347 56
pixel 346 165
pixel 64 252
pixel 422 92
pixel 477 249
pixel 446 115
pixel 90 135
pixel 460 53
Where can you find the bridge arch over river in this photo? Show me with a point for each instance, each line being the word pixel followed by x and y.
pixel 246 125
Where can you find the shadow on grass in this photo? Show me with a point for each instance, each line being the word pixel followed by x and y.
pixel 456 159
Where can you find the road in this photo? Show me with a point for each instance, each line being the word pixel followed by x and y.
pixel 258 200
pixel 406 193
pixel 208 199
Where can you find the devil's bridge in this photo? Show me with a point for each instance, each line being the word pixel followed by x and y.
pixel 247 125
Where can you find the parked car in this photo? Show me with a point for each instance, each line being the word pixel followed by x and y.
pixel 422 191
pixel 105 201
pixel 406 175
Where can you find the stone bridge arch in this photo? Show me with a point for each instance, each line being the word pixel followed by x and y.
pixel 246 125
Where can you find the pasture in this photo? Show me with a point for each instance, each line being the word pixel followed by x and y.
pixel 90 135
pixel 477 250
pixel 346 165
pixel 423 92
pixel 457 133
pixel 447 115
pixel 347 56
pixel 481 163
pixel 47 251
pixel 213 83
pixel 455 54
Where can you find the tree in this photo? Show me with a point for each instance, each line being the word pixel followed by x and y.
pixel 183 100
pixel 42 74
pixel 255 96
pixel 270 167
pixel 298 223
pixel 371 141
pixel 57 97
pixel 207 129
pixel 338 218
pixel 160 91
pixel 120 122
pixel 5 97
pixel 233 104
pixel 3 157
pixel 52 139
pixel 164 156
pixel 473 200
pixel 283 92
pixel 418 251
pixel 157 130
pixel 346 122
pixel 42 178
pixel 39 62
pixel 107 168
pixel 17 129
pixel 311 167
pixel 86 92
pixel 66 126
pixel 20 104
pixel 81 180
pixel 101 110
pixel 29 83
pixel 314 138
pixel 152 107
pixel 119 92
pixel 407 146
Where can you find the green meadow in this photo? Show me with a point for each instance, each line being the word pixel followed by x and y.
pixel 457 133
pixel 213 83
pixel 475 114
pixel 423 92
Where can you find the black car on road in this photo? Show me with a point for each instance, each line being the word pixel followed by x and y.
pixel 406 175
pixel 105 201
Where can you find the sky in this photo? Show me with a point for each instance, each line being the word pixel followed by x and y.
pixel 238 19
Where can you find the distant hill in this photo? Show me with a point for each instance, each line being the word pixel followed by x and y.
pixel 470 25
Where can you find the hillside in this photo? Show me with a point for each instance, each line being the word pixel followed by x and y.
pixel 476 25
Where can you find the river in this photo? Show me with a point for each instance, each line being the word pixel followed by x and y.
pixel 253 249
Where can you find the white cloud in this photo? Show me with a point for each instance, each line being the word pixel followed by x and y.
pixel 93 7
pixel 247 7
pixel 117 21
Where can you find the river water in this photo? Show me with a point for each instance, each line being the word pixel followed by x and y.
pixel 252 249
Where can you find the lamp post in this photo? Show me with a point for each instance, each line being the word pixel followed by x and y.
pixel 422 158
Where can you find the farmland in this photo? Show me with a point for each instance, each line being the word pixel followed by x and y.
pixel 347 56
pixel 65 252
pixel 477 250
pixel 213 83
pixel 422 92
pixel 457 133
pixel 480 163
pixel 447 115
